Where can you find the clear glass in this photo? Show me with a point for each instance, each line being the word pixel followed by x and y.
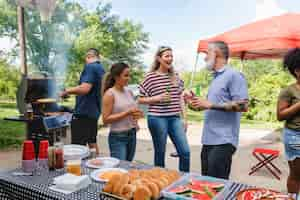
pixel 74 167
pixel 59 155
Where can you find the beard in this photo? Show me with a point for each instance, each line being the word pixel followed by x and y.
pixel 209 65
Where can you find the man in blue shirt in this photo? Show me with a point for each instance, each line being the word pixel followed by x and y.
pixel 227 97
pixel 88 101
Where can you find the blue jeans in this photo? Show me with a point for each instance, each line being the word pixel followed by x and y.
pixel 122 144
pixel 160 127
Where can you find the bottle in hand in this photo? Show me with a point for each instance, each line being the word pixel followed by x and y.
pixel 137 114
pixel 188 98
pixel 168 91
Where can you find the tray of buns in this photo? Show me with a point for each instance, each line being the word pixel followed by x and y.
pixel 138 184
pixel 108 196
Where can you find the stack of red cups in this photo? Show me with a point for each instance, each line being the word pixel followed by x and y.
pixel 28 156
pixel 43 154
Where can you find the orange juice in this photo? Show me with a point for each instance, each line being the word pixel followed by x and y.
pixel 74 167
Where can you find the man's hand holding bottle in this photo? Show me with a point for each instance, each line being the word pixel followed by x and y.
pixel 189 98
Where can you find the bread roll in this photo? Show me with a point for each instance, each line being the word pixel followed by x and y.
pixel 159 184
pixel 164 181
pixel 109 186
pixel 142 193
pixel 127 191
pixel 124 179
pixel 154 189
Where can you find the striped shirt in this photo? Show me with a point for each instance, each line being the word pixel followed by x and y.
pixel 156 84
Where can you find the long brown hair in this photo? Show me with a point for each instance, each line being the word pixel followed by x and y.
pixel 155 65
pixel 110 78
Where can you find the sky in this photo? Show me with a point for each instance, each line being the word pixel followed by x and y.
pixel 181 23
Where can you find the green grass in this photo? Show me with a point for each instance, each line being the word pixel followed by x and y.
pixel 245 123
pixel 12 134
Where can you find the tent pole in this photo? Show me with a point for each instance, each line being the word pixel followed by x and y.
pixel 193 72
pixel 242 61
pixel 21 29
pixel 242 66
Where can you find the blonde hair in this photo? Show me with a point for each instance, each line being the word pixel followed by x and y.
pixel 155 65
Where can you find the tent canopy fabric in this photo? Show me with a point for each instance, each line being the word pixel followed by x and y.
pixel 268 38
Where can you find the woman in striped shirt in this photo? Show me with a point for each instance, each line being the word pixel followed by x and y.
pixel 162 90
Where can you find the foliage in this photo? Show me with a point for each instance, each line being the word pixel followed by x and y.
pixel 8 19
pixel 11 133
pixel 265 80
pixel 48 41
pixel 117 40
pixel 8 81
pixel 59 46
pixel 202 78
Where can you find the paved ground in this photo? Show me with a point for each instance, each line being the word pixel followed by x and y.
pixel 243 159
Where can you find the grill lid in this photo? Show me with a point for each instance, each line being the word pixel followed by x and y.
pixel 35 89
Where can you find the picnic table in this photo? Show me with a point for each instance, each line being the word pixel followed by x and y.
pixel 16 187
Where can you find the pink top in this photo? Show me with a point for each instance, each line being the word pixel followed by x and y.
pixel 122 102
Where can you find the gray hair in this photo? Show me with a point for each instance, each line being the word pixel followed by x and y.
pixel 222 46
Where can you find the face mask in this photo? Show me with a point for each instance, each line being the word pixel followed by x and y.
pixel 209 65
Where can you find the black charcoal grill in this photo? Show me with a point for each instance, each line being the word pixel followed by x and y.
pixel 49 120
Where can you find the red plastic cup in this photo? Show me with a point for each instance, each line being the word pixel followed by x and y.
pixel 28 150
pixel 43 149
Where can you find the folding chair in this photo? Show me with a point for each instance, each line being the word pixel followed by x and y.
pixel 265 158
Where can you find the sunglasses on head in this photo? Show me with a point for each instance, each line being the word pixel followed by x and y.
pixel 164 48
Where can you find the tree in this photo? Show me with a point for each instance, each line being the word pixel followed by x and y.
pixel 59 46
pixel 117 40
pixel 49 42
pixel 265 80
pixel 9 80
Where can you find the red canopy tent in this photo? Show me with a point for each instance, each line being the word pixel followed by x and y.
pixel 268 38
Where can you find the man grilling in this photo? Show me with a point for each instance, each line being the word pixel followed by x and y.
pixel 88 101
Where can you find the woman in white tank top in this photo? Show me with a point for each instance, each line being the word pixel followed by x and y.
pixel 119 109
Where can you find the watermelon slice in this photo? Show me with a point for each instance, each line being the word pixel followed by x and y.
pixel 201 196
pixel 218 186
pixel 209 183
pixel 209 191
pixel 196 187
pixel 179 189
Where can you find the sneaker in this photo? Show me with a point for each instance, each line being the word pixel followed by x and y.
pixel 174 154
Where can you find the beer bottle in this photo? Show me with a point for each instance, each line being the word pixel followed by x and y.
pixel 168 91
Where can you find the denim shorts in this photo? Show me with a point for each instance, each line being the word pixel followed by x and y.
pixel 291 140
